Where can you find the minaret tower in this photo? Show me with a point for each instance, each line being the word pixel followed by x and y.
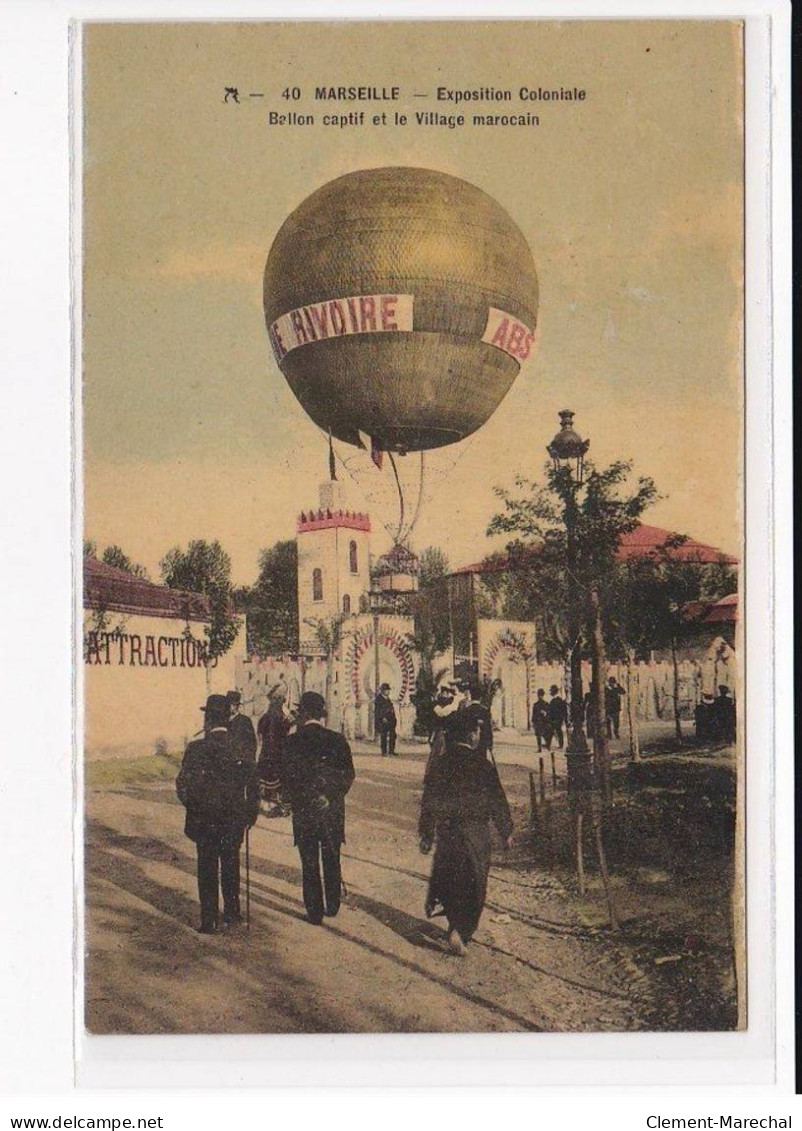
pixel 333 561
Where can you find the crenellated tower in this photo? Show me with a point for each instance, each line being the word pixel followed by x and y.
pixel 333 560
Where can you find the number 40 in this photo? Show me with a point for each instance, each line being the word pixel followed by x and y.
pixel 291 92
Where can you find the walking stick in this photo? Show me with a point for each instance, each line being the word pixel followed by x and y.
pixel 247 879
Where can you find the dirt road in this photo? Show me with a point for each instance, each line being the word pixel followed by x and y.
pixel 542 960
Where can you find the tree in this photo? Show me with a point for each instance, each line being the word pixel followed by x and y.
pixel 433 566
pixel 329 633
pixel 204 567
pixel 90 548
pixel 567 536
pixel 423 640
pixel 653 596
pixel 271 603
pixel 115 556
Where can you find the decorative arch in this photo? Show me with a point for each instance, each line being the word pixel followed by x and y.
pixel 507 644
pixel 360 650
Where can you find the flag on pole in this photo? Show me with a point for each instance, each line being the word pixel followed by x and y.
pixel 332 464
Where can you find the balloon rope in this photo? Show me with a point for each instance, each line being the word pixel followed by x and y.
pixel 397 537
pixel 371 498
pixel 419 504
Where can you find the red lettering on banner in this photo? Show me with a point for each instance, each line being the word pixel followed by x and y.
pixel 312 334
pixel 320 317
pixel 367 308
pixel 515 340
pixel 298 326
pixel 337 317
pixel 500 337
pixel 278 344
pixel 388 303
pixel 526 349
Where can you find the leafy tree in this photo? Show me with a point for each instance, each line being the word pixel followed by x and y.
pixel 115 556
pixel 425 642
pixel 651 609
pixel 271 603
pixel 204 567
pixel 329 634
pixel 90 548
pixel 566 536
pixel 433 566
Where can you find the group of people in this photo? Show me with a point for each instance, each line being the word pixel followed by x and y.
pixel 550 719
pixel 714 717
pixel 306 769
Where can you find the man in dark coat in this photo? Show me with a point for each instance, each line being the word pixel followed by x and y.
pixel 386 722
pixel 558 714
pixel 220 793
pixel 540 721
pixel 240 727
pixel 724 715
pixel 613 694
pixel 462 794
pixel 704 718
pixel 318 771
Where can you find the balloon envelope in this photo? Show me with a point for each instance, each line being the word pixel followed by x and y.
pixel 400 303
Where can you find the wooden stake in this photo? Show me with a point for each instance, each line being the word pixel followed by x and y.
pixel 542 782
pixel 608 891
pixel 532 799
pixel 553 772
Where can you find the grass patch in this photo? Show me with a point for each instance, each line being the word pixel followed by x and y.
pixel 132 771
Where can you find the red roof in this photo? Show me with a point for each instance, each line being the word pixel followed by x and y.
pixel 640 542
pixel 646 539
pixel 107 587
pixel 724 611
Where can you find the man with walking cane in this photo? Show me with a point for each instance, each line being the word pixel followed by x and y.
pixel 317 774
pixel 220 792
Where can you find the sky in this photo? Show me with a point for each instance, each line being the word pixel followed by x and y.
pixel 631 202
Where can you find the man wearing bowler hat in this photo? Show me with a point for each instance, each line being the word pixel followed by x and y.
pixel 318 772
pixel 240 727
pixel 221 796
pixel 386 721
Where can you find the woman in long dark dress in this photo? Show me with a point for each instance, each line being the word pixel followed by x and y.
pixel 462 794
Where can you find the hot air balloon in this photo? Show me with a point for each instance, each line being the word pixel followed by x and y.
pixel 400 304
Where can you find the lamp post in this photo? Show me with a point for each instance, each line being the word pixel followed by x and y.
pixel 375 597
pixel 567 450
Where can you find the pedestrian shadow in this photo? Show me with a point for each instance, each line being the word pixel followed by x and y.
pixel 419 933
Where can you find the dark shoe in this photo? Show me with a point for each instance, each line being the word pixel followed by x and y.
pixel 331 913
pixel 315 922
pixel 231 918
pixel 207 929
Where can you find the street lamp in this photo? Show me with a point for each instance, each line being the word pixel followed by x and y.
pixel 567 450
pixel 376 606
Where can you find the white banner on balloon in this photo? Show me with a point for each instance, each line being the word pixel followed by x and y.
pixel 339 317
pixel 508 333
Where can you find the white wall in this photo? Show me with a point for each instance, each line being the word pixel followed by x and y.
pixel 143 682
